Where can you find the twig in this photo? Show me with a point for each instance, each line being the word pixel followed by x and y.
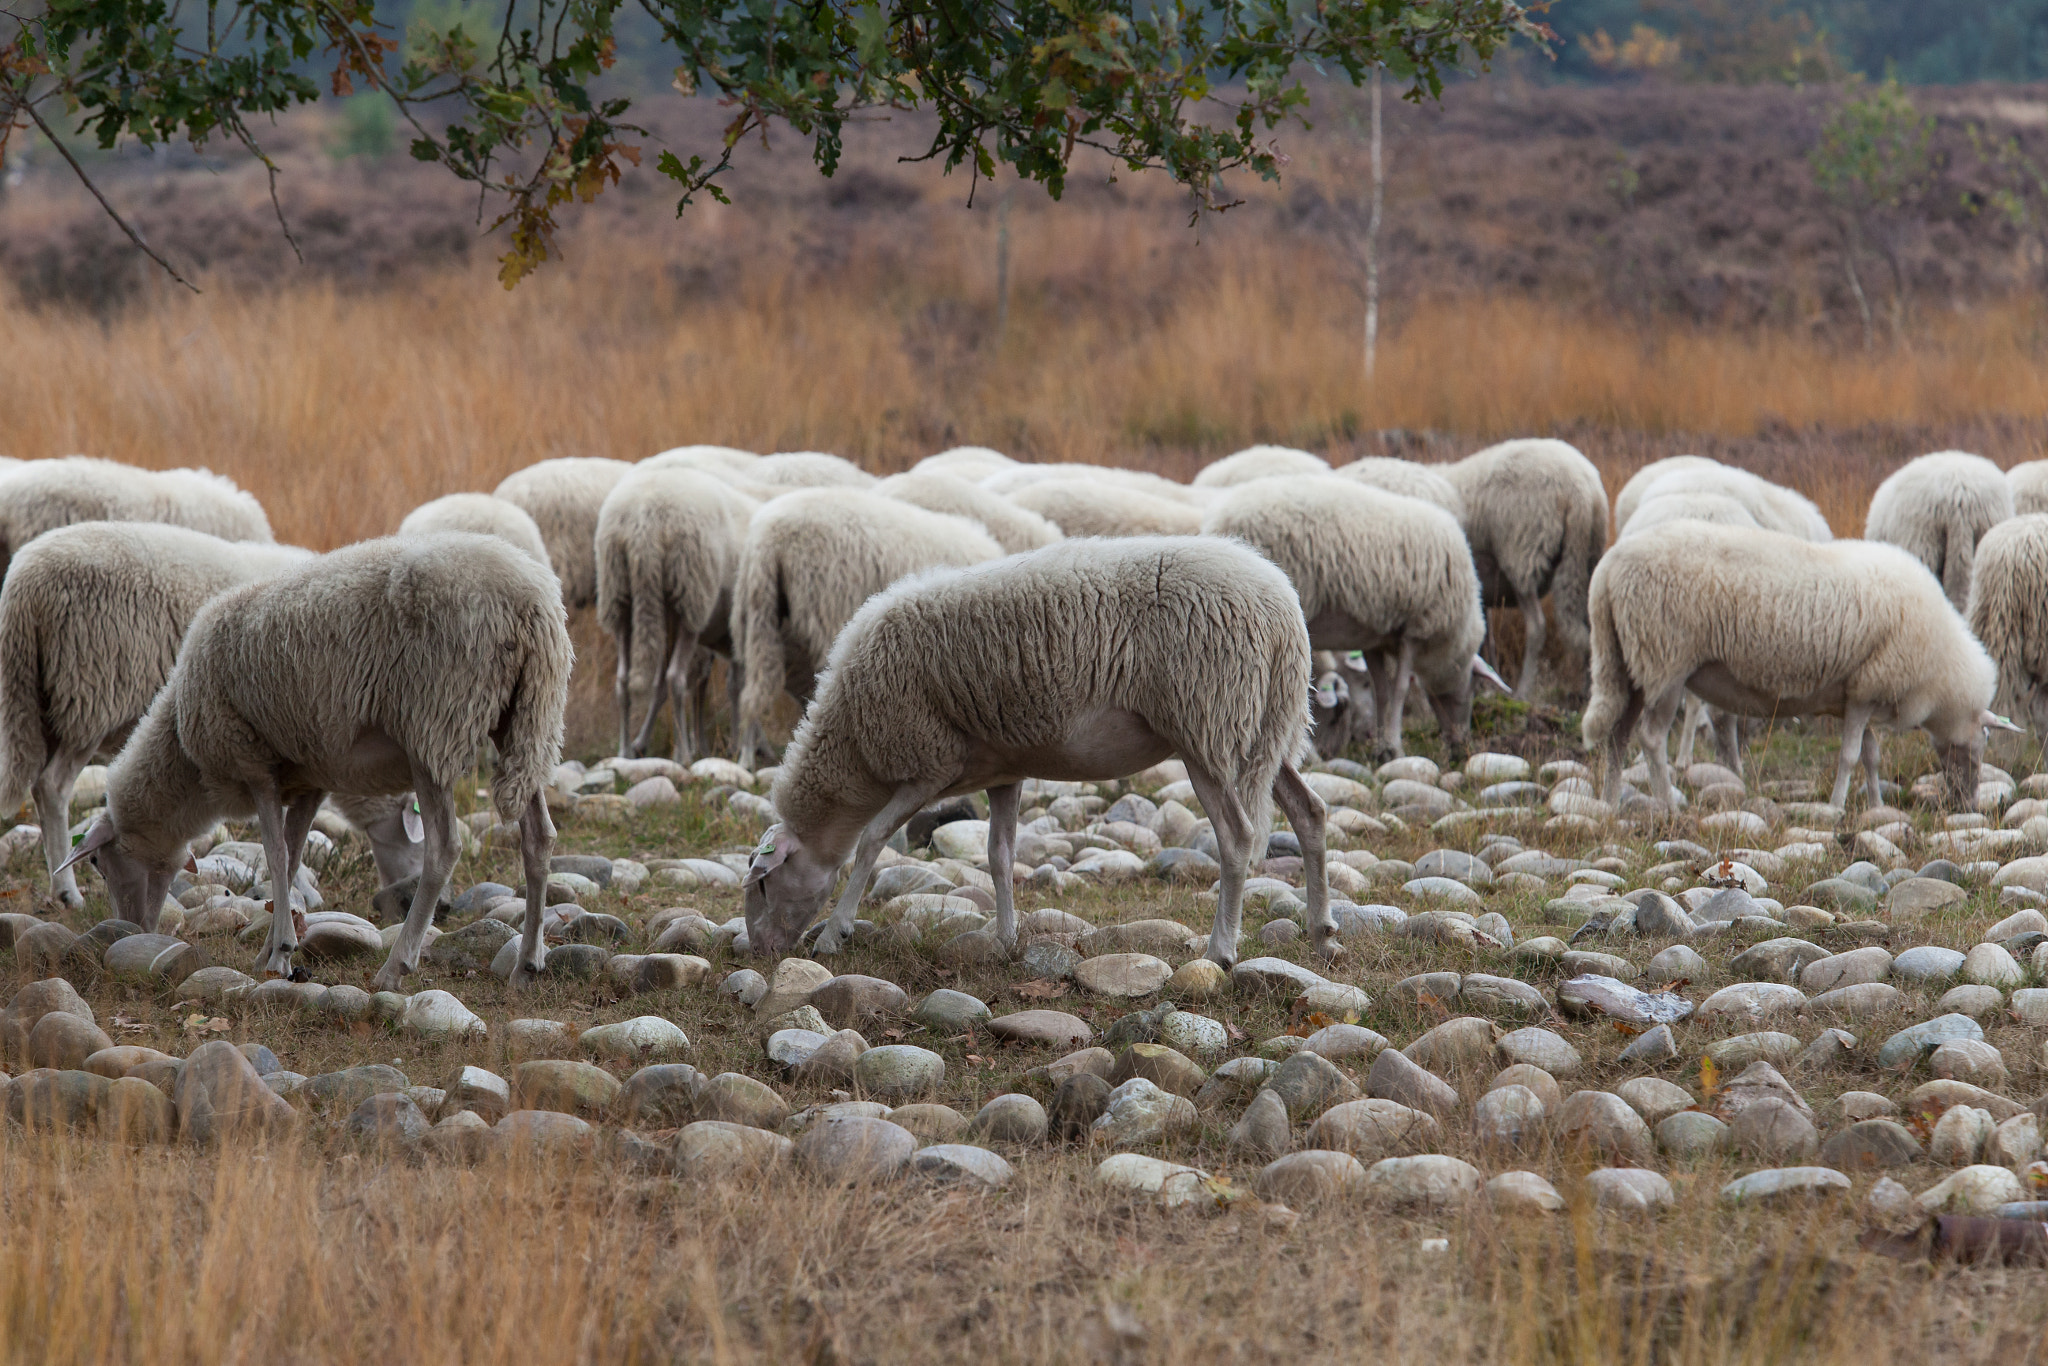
pixel 112 212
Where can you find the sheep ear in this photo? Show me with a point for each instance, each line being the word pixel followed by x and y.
pixel 415 828
pixel 1991 720
pixel 777 844
pixel 95 839
pixel 1484 672
pixel 1326 694
pixel 191 864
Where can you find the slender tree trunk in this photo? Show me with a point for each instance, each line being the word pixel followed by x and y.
pixel 1372 238
pixel 1002 266
pixel 1849 239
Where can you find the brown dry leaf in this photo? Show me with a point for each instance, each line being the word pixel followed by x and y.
pixel 1040 990
pixel 203 1024
pixel 129 1022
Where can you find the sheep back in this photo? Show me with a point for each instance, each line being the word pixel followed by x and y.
pixel 1014 528
pixel 1259 462
pixel 1406 478
pixel 1633 492
pixel 1936 508
pixel 2008 601
pixel 808 470
pixel 668 543
pixel 485 514
pixel 972 463
pixel 564 496
pixel 1536 514
pixel 41 495
pixel 1099 507
pixel 2029 484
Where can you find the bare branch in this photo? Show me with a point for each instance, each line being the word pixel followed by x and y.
pixel 112 212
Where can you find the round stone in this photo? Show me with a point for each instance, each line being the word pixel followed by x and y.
pixel 899 1072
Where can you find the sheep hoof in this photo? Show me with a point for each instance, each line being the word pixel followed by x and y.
pixel 1226 961
pixel 524 976
pixel 1327 946
pixel 828 943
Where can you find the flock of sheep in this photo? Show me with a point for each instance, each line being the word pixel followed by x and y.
pixel 957 628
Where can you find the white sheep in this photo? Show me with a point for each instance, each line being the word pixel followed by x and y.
pixel 811 559
pixel 383 666
pixel 1771 506
pixel 1406 478
pixel 1936 508
pixel 41 495
pixel 1762 624
pixel 717 459
pixel 808 470
pixel 1259 462
pixel 1098 507
pixel 564 496
pixel 1014 528
pixel 2009 609
pixel 669 539
pixel 1638 483
pixel 1536 516
pixel 90 620
pixel 2029 484
pixel 1375 572
pixel 1010 481
pixel 966 462
pixel 1087 660
pixel 486 514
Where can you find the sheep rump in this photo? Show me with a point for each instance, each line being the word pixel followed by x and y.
pixel 1014 528
pixel 37 496
pixel 2029 484
pixel 2009 610
pixel 485 514
pixel 1099 507
pixel 1762 624
pixel 1258 462
pixel 564 496
pixel 91 617
pixel 1408 479
pixel 1936 508
pixel 383 666
pixel 950 682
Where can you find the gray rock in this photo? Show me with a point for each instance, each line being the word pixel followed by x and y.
pixel 1828 1048
pixel 387 1121
pixel 641 1040
pixel 1427 1179
pixel 1602 1122
pixel 1049 960
pixel 739 1099
pixel 834 1062
pixel 1396 1077
pixel 1691 1135
pixel 1927 963
pixel 931 1123
pixel 1653 1098
pixel 899 1072
pixel 1507 1118
pixel 1773 1130
pixel 745 986
pixel 1309 1178
pixel 1678 961
pixel 1915 1042
pixel 1594 994
pixel 1776 960
pixel 959 1164
pixel 1500 996
pixel 344 1090
pixel 1081 1099
pixel 951 1012
pixel 1860 1002
pixel 438 1015
pixel 570 1088
pixel 219 1094
pixel 1263 1131
pixel 1751 1001
pixel 471 948
pixel 850 1148
pixel 1539 1048
pixel 1010 1119
pixel 1652 1046
pixel 1734 1054
pixel 1871 1145
pixel 1041 1027
pixel 1522 1193
pixel 486 1094
pixel 1139 1112
pixel 663 1096
pixel 1783 1184
pixel 1629 1190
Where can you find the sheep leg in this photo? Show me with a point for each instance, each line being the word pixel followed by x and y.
pixel 1002 857
pixel 657 693
pixel 1854 721
pixel 1532 645
pixel 1306 812
pixel 437 861
pixel 1656 732
pixel 1613 747
pixel 622 688
pixel 284 921
pixel 1397 700
pixel 908 801
pixel 53 811
pixel 1728 740
pixel 1870 766
pixel 298 823
pixel 1234 835
pixel 536 843
pixel 1688 730
pixel 689 681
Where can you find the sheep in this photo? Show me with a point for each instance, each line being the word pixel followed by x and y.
pixel 486 514
pixel 1634 491
pixel 1375 572
pixel 2009 609
pixel 1536 517
pixel 1259 462
pixel 1408 479
pixel 808 470
pixel 563 496
pixel 1095 507
pixel 716 459
pixel 379 667
pixel 668 549
pixel 90 620
pixel 1089 659
pixel 37 496
pixel 1763 624
pixel 1014 528
pixel 2029 483
pixel 966 462
pixel 1771 506
pixel 1936 508
pixel 1338 715
pixel 1010 481
pixel 811 559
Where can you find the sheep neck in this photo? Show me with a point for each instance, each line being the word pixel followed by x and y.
pixel 826 796
pixel 159 799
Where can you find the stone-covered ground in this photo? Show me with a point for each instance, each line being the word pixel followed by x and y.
pixel 1584 1085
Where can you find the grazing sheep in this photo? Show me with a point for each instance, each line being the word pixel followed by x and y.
pixel 1406 478
pixel 41 495
pixel 1375 572
pixel 397 846
pixel 1762 624
pixel 2009 609
pixel 668 549
pixel 811 559
pixel 1771 506
pixel 90 620
pixel 383 666
pixel 950 682
pixel 1097 507
pixel 1936 509
pixel 1338 714
pixel 2029 484
pixel 717 459
pixel 1638 483
pixel 1259 462
pixel 486 514
pixel 808 470
pixel 973 463
pixel 563 497
pixel 1009 482
pixel 1014 528
pixel 1536 515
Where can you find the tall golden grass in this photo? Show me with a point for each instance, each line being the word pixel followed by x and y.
pixel 343 410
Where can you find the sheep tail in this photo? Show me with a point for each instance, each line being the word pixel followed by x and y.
pixel 1611 682
pixel 1585 539
pixel 23 748
pixel 757 633
pixel 529 734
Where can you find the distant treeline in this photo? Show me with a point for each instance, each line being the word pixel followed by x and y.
pixel 1922 42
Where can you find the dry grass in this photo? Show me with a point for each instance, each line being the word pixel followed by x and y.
pixel 344 410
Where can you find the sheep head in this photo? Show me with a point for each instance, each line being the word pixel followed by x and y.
pixel 136 885
pixel 785 889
